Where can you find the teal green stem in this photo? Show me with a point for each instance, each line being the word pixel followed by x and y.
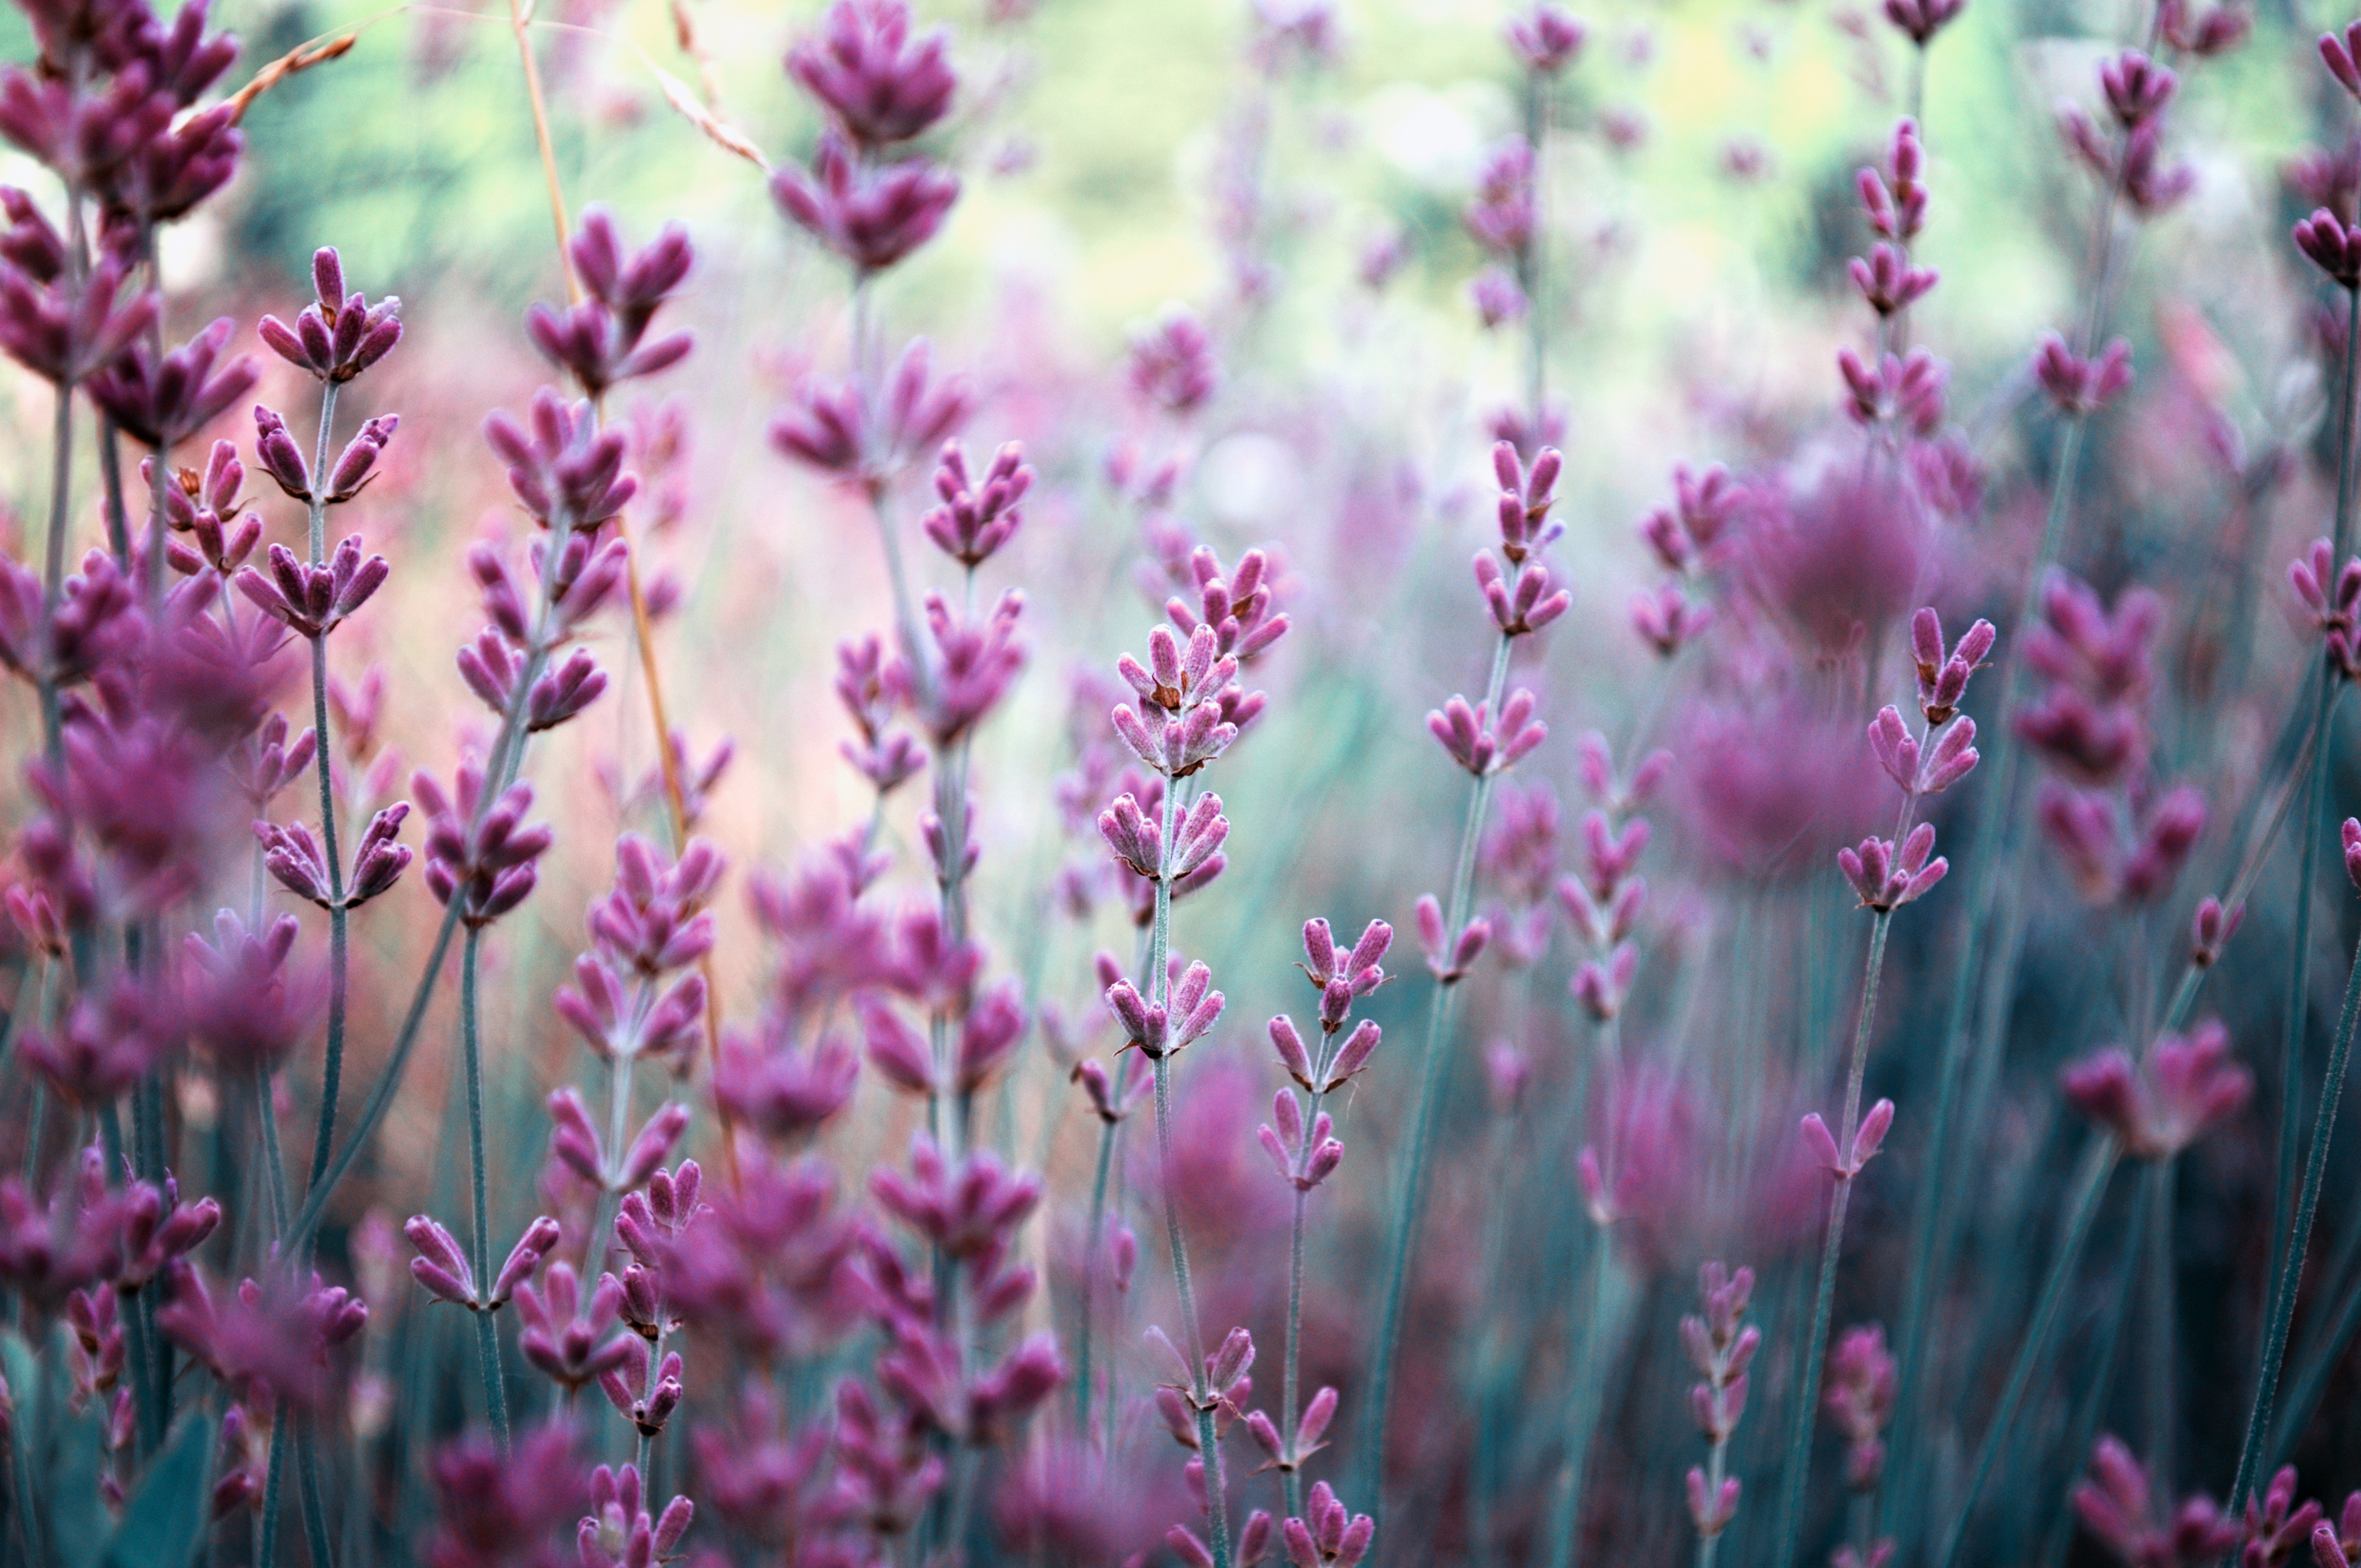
pixel 1159 975
pixel 332 1064
pixel 1934 1211
pixel 1409 1194
pixel 2084 1429
pixel 2163 1356
pixel 500 768
pixel 2097 1166
pixel 488 1338
pixel 1092 1247
pixel 1795 1473
pixel 307 1474
pixel 2324 1128
pixel 273 1499
pixel 53 565
pixel 1587 1337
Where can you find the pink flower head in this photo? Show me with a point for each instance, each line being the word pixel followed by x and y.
pixel 1547 38
pixel 2204 33
pixel 2137 88
pixel 966 1212
pixel 1773 785
pixel 245 1002
pixel 876 82
pixel 2277 1529
pixel 1641 1172
pixel 1887 879
pixel 1943 674
pixel 2332 597
pixel 1890 281
pixel 1720 1346
pixel 313 601
pixel 602 338
pixel 57 333
pixel 1904 390
pixel 1669 620
pixel 96 621
pixel 873 214
pixel 779 1090
pixel 1479 744
pixel 1329 1537
pixel 1896 211
pixel 565 467
pixel 564 1335
pixel 338 336
pixel 977 515
pixel 163 402
pixel 619 1531
pixel 2339 53
pixel 2116 1505
pixel 1920 20
pixel 264 1343
pixel 2077 386
pixel 1950 758
pixel 501 1506
pixel 1497 298
pixel 1172 364
pixel 2187 1086
pixel 1861 1389
pixel 1159 1029
pixel 1839 561
pixel 480 851
pixel 1505 211
pixel 1240 606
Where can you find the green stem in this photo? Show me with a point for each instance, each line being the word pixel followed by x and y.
pixel 2324 1128
pixel 1090 1253
pixel 1795 1473
pixel 1587 1334
pixel 2097 1166
pixel 487 1339
pixel 1409 1194
pixel 2084 1429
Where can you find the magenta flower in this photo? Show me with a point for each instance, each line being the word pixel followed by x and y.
pixel 482 852
pixel 1329 1538
pixel 2116 1505
pixel 871 214
pixel 1862 1383
pixel 1896 211
pixel 977 517
pixel 313 600
pixel 337 337
pixel 876 82
pixel 265 1342
pixel 781 1091
pixel 1172 364
pixel 2186 1087
pixel 602 338
pixel 1887 879
pixel 1547 38
pixel 1920 20
pixel 499 1507
pixel 164 402
pixel 565 470
pixel 1889 281
pixel 62 334
pixel 1503 215
pixel 2077 387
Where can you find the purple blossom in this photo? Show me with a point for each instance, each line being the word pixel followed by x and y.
pixel 337 337
pixel 2159 1108
pixel 877 82
pixel 873 214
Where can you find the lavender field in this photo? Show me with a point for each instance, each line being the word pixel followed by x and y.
pixel 1072 782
